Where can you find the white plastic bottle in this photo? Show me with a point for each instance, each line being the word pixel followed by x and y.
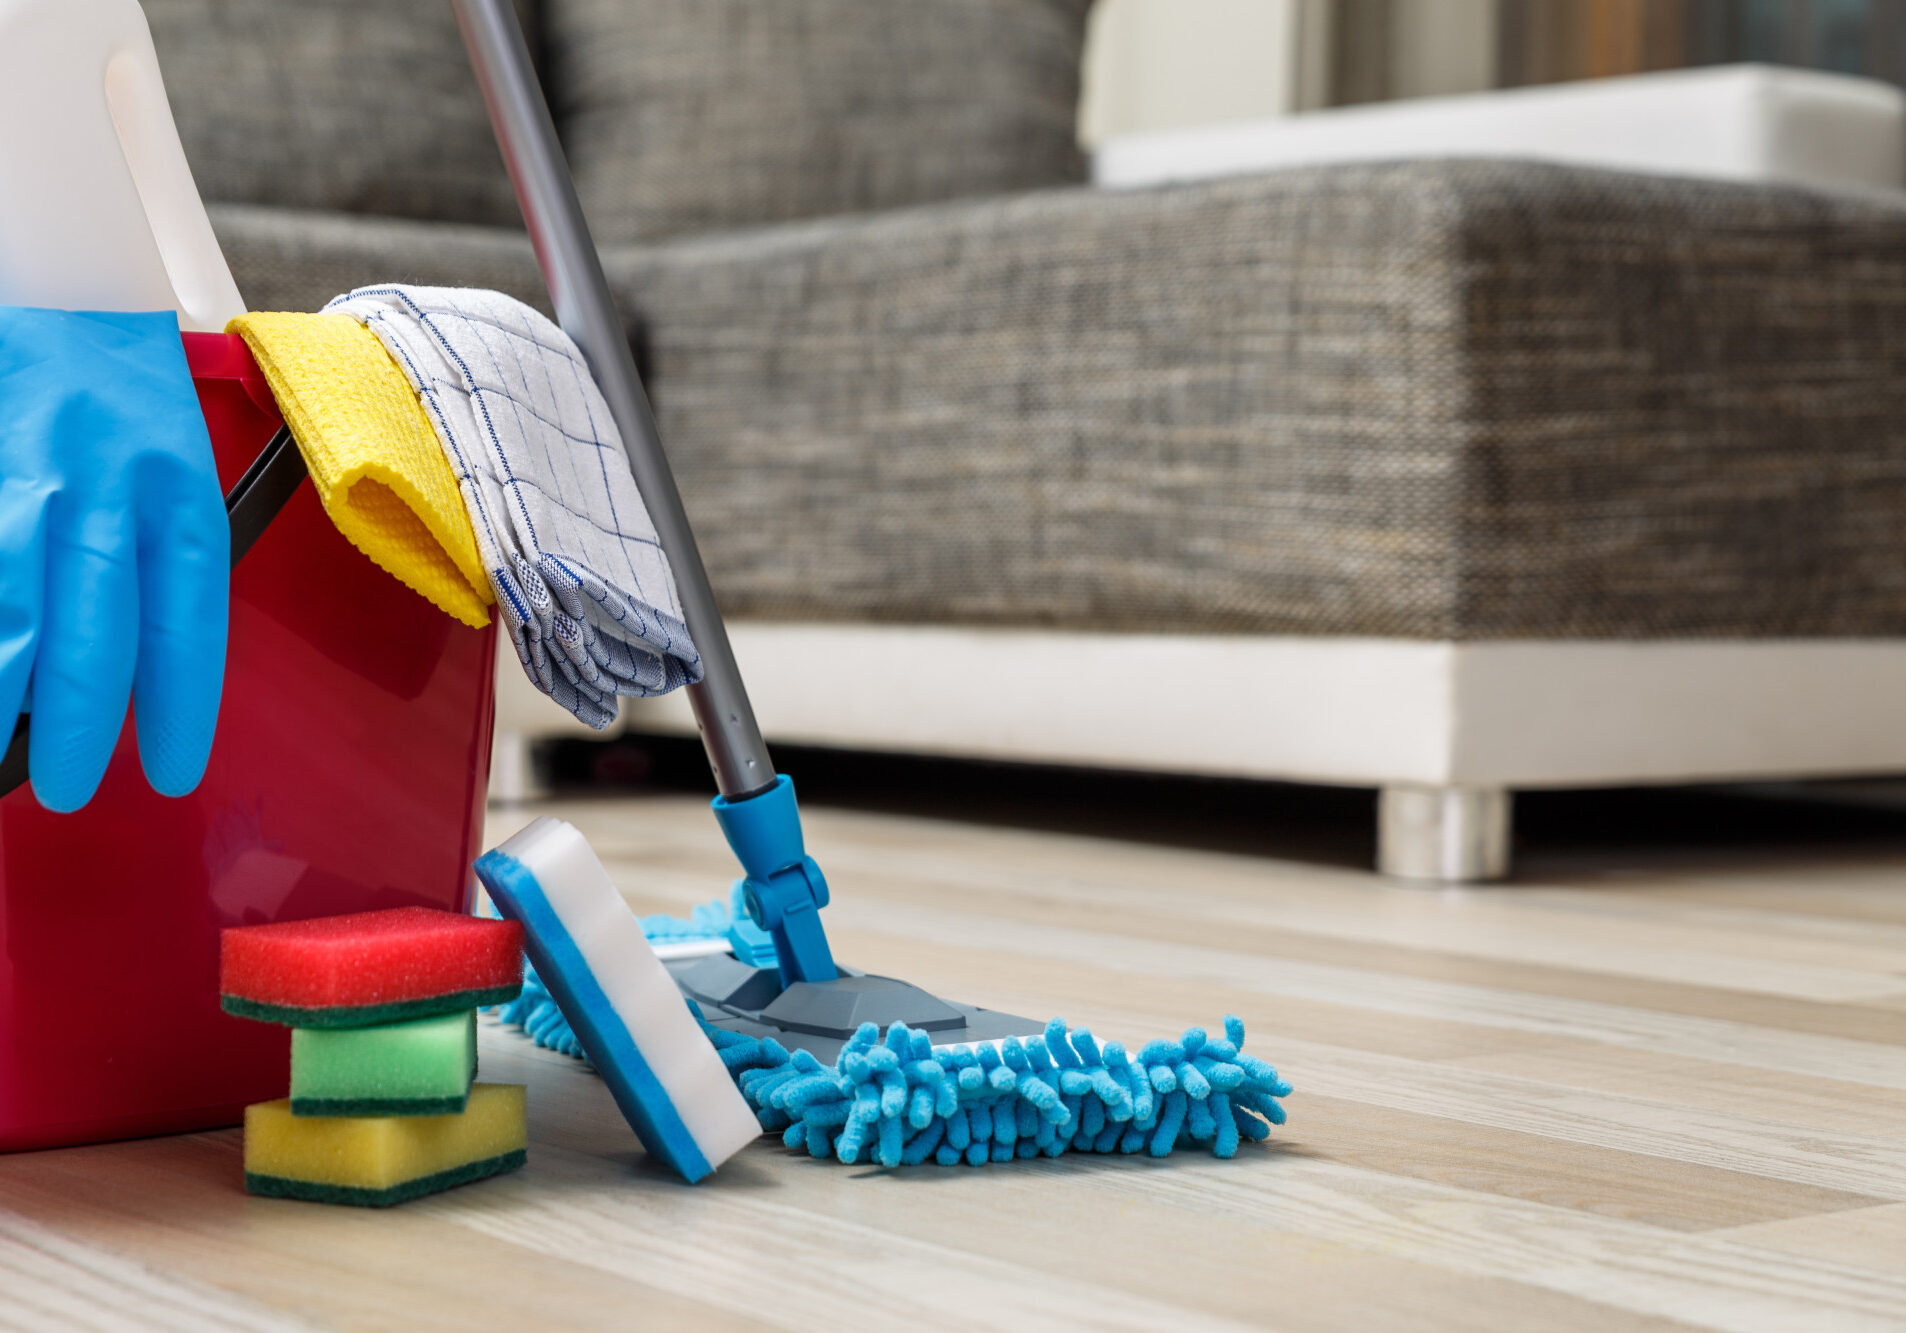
pixel 97 206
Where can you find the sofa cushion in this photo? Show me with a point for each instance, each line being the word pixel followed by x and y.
pixel 1439 400
pixel 297 259
pixel 361 105
pixel 689 115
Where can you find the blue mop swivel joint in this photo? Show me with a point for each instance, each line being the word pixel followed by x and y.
pixel 784 890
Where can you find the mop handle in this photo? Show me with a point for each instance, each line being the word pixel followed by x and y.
pixel 573 271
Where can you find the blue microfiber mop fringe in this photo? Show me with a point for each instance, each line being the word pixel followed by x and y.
pixel 900 1101
pixel 710 921
pixel 534 1011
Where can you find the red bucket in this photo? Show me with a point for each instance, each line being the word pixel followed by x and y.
pixel 348 774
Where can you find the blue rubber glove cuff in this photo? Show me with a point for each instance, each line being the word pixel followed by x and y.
pixel 114 549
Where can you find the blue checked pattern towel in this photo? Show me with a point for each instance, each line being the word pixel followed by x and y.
pixel 580 579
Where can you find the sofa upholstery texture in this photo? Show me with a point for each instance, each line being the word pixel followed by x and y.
pixel 685 115
pixel 360 105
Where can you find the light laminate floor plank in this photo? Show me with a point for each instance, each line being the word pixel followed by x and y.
pixel 1659 1095
pixel 50 1280
pixel 1721 1040
pixel 1826 1104
pixel 1869 1237
pixel 1152 915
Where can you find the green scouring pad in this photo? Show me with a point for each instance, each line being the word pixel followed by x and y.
pixel 423 1067
pixel 360 1196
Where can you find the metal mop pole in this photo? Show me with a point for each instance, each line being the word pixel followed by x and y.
pixel 784 888
pixel 587 314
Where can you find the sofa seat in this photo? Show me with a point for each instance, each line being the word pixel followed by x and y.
pixel 1433 400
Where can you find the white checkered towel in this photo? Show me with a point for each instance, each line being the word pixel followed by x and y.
pixel 580 579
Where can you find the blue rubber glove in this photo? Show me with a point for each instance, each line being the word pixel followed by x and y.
pixel 115 556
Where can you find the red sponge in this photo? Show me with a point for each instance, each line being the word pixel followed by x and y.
pixel 369 967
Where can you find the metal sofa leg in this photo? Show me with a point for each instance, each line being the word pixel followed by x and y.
pixel 1454 834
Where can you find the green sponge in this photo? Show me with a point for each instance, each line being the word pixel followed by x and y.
pixel 422 1067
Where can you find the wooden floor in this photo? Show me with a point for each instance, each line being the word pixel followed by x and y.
pixel 1652 1085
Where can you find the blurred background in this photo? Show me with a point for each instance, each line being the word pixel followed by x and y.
pixel 1152 65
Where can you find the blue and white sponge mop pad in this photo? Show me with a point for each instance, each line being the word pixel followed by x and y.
pixel 581 582
pixel 638 1031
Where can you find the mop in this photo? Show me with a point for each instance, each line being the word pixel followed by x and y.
pixel 897 1101
pixel 801 1035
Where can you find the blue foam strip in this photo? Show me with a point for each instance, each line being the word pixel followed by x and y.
pixel 645 1104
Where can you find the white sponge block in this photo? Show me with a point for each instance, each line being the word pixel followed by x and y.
pixel 632 1021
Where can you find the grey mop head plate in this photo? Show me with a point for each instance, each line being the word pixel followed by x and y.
pixel 819 1016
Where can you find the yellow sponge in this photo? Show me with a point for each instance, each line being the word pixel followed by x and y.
pixel 377 1161
pixel 372 453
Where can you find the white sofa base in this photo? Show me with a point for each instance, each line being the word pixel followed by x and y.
pixel 1357 712
pixel 1445 729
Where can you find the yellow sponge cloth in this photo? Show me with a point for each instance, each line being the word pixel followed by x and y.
pixel 372 453
pixel 375 1161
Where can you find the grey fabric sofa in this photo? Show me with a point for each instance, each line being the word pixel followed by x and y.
pixel 1458 410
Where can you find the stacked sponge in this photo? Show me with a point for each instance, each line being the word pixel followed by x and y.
pixel 382 1007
